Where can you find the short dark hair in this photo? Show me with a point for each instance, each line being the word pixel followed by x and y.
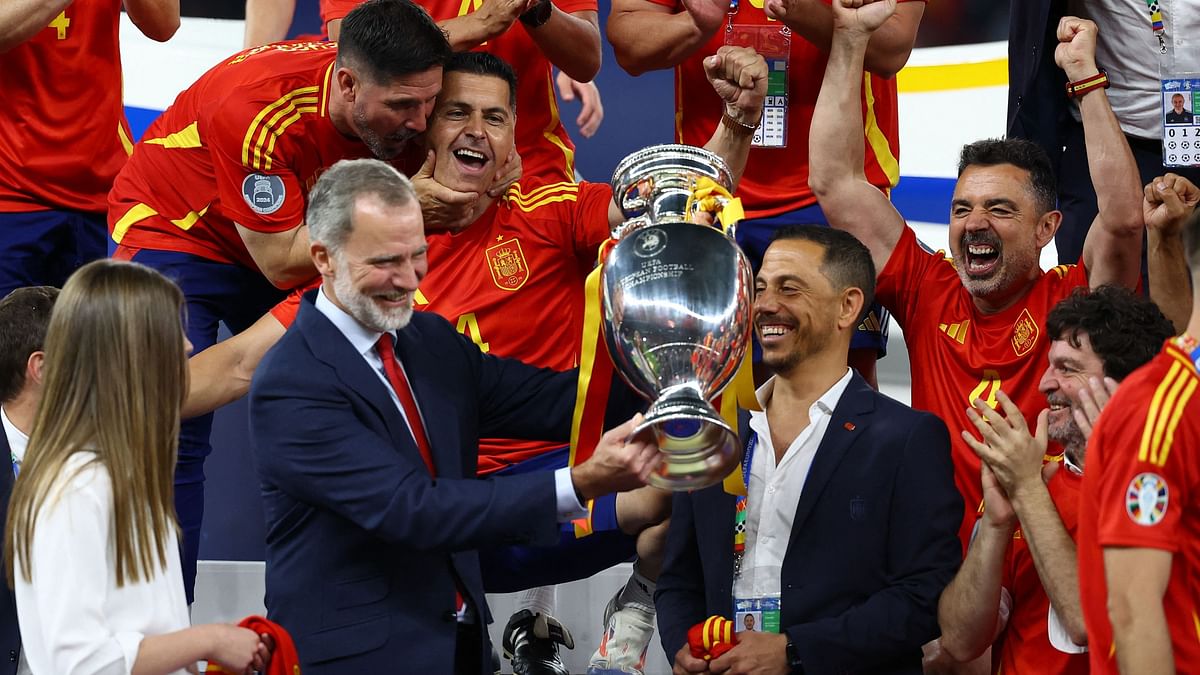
pixel 483 63
pixel 1020 153
pixel 24 316
pixel 847 261
pixel 1125 329
pixel 391 38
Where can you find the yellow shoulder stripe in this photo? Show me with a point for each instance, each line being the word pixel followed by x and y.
pixel 565 197
pixel 1166 409
pixel 286 105
pixel 515 192
pixel 188 137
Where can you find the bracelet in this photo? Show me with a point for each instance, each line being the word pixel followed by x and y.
pixel 1081 87
pixel 738 129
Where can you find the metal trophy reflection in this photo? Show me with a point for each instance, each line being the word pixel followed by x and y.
pixel 676 302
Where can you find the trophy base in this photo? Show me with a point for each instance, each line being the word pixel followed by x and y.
pixel 698 448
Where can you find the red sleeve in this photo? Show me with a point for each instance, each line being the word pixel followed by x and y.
pixel 899 283
pixel 590 219
pixel 332 10
pixel 255 184
pixel 1143 485
pixel 570 6
pixel 285 312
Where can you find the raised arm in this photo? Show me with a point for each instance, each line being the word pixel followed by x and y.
pixel 1169 205
pixel 157 19
pixel 472 29
pixel 646 35
pixel 571 41
pixel 22 19
pixel 1112 252
pixel 221 374
pixel 267 21
pixel 281 256
pixel 836 173
pixel 889 47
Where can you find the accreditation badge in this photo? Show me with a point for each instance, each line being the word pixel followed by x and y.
pixel 759 613
pixel 1181 121
pixel 773 43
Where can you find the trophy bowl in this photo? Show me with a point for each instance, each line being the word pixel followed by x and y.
pixel 676 299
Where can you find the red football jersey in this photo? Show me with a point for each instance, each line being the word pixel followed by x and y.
pixel 1025 645
pixel 1142 490
pixel 958 353
pixel 513 283
pixel 63 134
pixel 244 144
pixel 764 189
pixel 547 153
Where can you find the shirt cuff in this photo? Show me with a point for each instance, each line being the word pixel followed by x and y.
pixel 567 501
pixel 130 643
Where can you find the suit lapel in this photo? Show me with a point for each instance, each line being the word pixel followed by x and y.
pixel 421 368
pixel 850 418
pixel 6 476
pixel 332 348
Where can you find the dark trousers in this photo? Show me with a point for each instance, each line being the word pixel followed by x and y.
pixel 1077 196
pixel 467 656
pixel 43 248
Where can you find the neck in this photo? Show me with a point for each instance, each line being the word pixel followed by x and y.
pixel 998 303
pixel 339 114
pixel 809 379
pixel 20 411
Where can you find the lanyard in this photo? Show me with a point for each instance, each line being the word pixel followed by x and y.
pixel 16 463
pixel 740 509
pixel 1156 25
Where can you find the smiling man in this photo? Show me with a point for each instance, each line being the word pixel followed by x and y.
pixel 972 321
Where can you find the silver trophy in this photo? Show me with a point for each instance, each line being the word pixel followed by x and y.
pixel 677 309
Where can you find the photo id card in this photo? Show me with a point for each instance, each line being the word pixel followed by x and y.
pixel 756 614
pixel 1181 121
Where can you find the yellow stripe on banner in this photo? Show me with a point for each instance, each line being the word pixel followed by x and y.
pixel 587 361
pixel 131 217
pixel 548 200
pixel 739 393
pixel 568 154
pixel 917 79
pixel 125 141
pixel 1175 417
pixel 876 139
pixel 515 193
pixel 188 137
pixel 279 103
pixel 1153 413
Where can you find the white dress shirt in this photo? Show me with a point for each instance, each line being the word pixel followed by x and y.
pixel 73 617
pixel 774 491
pixel 364 339
pixel 17 440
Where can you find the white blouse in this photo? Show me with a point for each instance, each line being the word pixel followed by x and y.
pixel 73 618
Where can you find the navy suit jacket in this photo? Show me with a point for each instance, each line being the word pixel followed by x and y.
pixel 10 633
pixel 874 542
pixel 364 549
pixel 1037 98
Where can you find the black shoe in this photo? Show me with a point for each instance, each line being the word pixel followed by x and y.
pixel 531 643
pixel 495 661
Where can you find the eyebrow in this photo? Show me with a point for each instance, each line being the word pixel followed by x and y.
pixel 395 258
pixel 996 201
pixel 780 279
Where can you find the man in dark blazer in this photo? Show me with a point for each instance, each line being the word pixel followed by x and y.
pixel 367 450
pixel 24 317
pixel 852 515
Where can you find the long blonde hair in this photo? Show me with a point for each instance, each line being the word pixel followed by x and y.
pixel 115 377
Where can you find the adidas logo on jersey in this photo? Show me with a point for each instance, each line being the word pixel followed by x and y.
pixel 956 331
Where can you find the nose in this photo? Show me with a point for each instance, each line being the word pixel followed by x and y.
pixel 1048 383
pixel 765 302
pixel 976 220
pixel 406 276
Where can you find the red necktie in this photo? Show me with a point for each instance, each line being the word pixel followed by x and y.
pixel 395 376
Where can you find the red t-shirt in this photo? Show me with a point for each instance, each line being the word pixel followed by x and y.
pixel 1025 645
pixel 1142 490
pixel 513 283
pixel 547 153
pixel 958 353
pixel 764 189
pixel 63 134
pixel 244 144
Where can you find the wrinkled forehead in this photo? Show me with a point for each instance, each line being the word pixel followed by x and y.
pixel 979 183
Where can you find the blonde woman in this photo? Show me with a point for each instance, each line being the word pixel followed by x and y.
pixel 92 542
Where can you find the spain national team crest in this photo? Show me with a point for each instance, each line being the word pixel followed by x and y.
pixel 1146 499
pixel 1025 333
pixel 506 261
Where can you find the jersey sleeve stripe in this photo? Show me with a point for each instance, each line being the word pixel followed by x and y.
pixel 1167 413
pixel 271 130
pixel 126 143
pixel 548 200
pixel 1155 408
pixel 278 131
pixel 188 137
pixel 324 91
pixel 137 213
pixel 258 119
pixel 1177 415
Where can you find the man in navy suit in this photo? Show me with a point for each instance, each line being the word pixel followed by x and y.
pixel 366 419
pixel 849 531
pixel 24 316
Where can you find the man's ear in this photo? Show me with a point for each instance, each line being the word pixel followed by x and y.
pixel 33 368
pixel 1047 226
pixel 347 83
pixel 321 257
pixel 851 308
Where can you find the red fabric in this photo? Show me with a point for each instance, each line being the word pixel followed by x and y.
pixel 261 112
pixel 1007 350
pixel 1150 427
pixel 1025 643
pixel 764 189
pixel 60 134
pixel 399 382
pixel 545 148
pixel 284 660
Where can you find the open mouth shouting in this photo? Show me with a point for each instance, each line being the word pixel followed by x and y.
pixel 471 161
pixel 981 253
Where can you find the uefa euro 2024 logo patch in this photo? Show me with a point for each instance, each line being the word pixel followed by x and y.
pixel 264 194
pixel 1146 499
